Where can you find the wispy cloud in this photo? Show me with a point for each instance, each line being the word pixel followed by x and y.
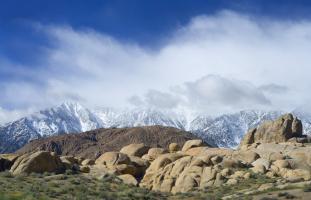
pixel 227 60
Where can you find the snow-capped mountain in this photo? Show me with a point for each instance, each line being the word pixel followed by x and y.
pixel 225 130
pixel 66 118
pixel 139 117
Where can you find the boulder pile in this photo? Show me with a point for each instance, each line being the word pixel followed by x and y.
pixel 276 149
pixel 281 130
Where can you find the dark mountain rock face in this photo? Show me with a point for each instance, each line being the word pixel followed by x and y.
pixel 93 143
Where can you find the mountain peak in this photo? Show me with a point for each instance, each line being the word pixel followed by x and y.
pixel 71 105
pixel 71 117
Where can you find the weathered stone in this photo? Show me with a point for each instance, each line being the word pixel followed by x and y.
pixel 196 151
pixel 208 177
pixel 191 144
pixel 147 157
pixel 249 137
pixel 38 162
pixel 112 158
pixel 219 180
pixel 266 186
pixel 162 161
pixel 135 149
pixel 262 161
pixel 153 153
pixel 140 165
pixel 281 163
pixel 259 168
pixel 298 174
pixel 216 159
pixel 226 172
pixel 271 174
pixel 237 175
pixel 69 161
pixel 245 156
pixel 247 175
pixel 173 147
pixel 275 156
pixel 84 169
pixel 128 179
pixel 88 162
pixel 280 130
pixel 232 182
pixel 231 163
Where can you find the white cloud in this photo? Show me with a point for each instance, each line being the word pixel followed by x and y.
pixel 210 93
pixel 10 115
pixel 273 88
pixel 248 56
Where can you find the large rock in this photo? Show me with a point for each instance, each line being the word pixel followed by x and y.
pixel 38 162
pixel 120 163
pixel 173 147
pixel 128 179
pixel 153 153
pixel 112 158
pixel 280 130
pixel 88 162
pixel 247 157
pixel 135 149
pixel 175 173
pixel 140 166
pixel 191 144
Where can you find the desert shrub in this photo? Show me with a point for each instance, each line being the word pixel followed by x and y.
pixel 307 188
pixel 6 174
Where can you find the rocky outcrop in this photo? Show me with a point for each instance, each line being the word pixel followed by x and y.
pixel 128 179
pixel 181 172
pixel 38 162
pixel 280 130
pixel 120 163
pixel 153 153
pixel 135 149
pixel 191 144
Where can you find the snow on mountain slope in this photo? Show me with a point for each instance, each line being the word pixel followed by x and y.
pixel 228 130
pixel 66 118
pixel 139 117
pixel 225 130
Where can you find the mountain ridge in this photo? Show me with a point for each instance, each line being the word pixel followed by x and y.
pixel 224 130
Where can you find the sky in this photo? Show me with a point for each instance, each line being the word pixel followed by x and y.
pixel 208 56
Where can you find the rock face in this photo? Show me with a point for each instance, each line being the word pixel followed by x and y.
pixel 280 130
pixel 192 143
pixel 179 172
pixel 128 179
pixel 120 163
pixel 38 162
pixel 135 149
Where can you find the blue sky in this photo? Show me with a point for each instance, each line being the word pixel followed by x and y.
pixel 165 51
pixel 146 22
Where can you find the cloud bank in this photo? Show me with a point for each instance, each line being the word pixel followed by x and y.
pixel 219 63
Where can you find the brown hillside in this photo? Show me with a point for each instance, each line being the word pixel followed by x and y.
pixel 91 144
